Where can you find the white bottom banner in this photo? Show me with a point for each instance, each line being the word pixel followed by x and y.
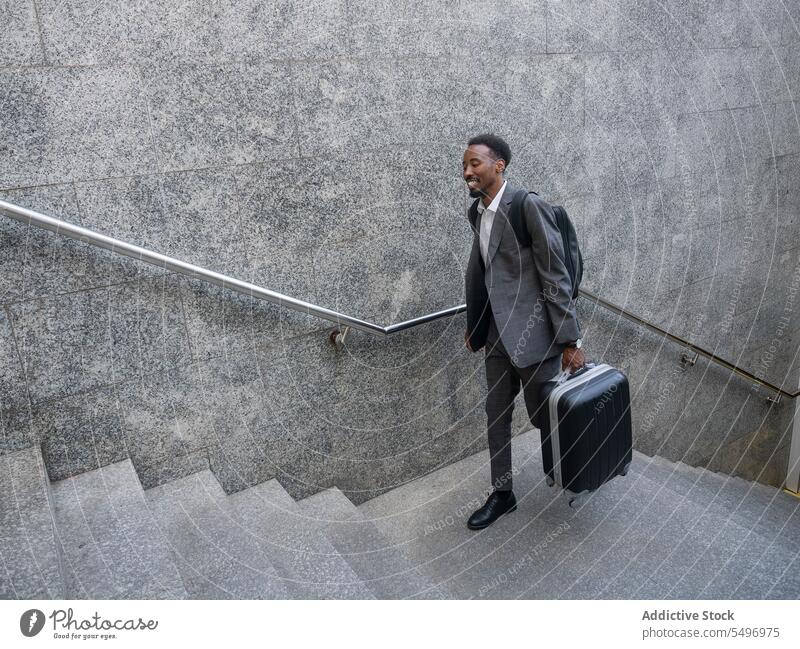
pixel 372 624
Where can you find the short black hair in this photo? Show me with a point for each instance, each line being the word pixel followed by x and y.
pixel 497 144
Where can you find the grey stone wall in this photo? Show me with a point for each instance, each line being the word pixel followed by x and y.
pixel 315 149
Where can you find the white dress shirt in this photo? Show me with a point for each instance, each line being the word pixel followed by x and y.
pixel 487 218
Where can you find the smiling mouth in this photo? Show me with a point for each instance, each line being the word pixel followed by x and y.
pixel 472 183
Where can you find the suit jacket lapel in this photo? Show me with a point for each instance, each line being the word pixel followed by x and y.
pixel 499 222
pixel 474 217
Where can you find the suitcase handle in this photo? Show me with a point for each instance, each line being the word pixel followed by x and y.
pixel 566 375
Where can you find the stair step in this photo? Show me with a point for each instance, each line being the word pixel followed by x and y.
pixel 776 499
pixel 112 547
pixel 535 552
pixel 217 558
pixel 309 562
pixel 699 563
pixel 612 546
pixel 616 542
pixel 737 497
pixel 766 494
pixel 749 499
pixel 720 559
pixel 428 516
pixel 380 563
pixel 273 493
pixel 774 518
pixel 28 545
pixel 619 535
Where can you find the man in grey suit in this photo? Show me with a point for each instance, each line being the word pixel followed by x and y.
pixel 519 307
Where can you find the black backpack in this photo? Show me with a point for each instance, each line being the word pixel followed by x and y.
pixel 572 252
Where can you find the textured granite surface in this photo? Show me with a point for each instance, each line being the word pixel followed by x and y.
pixel 12 378
pixel 37 263
pixel 20 34
pixel 112 545
pixel 79 341
pixel 80 433
pixel 317 153
pixel 73 123
pixel 204 115
pixel 311 566
pixel 28 541
pixel 381 564
pixel 216 559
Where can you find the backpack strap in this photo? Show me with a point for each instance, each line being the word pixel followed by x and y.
pixel 516 220
pixel 573 259
pixel 572 252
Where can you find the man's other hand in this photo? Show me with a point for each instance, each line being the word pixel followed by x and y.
pixel 573 358
pixel 466 342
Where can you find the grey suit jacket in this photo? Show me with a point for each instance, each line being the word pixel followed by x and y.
pixel 528 289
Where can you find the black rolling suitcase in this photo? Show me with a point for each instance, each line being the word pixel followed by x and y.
pixel 587 436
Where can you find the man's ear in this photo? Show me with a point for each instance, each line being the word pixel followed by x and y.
pixel 500 165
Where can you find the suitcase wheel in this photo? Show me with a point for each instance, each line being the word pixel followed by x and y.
pixel 625 469
pixel 576 501
pixel 550 482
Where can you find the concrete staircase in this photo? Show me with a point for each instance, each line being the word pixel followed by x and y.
pixel 665 530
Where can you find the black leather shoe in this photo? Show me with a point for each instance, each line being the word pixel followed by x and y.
pixel 496 505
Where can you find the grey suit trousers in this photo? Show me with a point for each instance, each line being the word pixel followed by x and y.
pixel 503 379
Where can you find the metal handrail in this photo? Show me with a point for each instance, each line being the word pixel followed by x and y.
pixel 685 343
pixel 79 233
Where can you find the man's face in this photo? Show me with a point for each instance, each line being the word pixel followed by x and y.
pixel 481 169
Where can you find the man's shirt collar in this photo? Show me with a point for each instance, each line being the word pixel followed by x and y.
pixel 495 201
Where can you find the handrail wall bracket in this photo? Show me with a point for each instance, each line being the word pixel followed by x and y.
pixel 689 360
pixel 338 337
